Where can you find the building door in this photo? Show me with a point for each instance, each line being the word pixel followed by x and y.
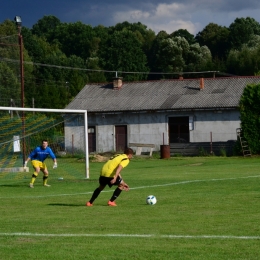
pixel 91 139
pixel 179 129
pixel 121 137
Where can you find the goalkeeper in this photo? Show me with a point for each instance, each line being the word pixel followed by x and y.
pixel 110 175
pixel 38 155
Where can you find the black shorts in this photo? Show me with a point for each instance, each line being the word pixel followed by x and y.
pixel 103 181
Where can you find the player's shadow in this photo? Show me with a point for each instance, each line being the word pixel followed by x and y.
pixel 12 185
pixel 66 204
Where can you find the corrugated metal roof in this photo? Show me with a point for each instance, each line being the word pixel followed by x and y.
pixel 163 95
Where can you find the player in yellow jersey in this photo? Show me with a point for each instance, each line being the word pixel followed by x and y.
pixel 110 175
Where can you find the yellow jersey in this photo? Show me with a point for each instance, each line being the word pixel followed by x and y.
pixel 109 168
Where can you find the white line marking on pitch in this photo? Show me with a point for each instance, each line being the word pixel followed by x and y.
pixel 134 235
pixel 136 188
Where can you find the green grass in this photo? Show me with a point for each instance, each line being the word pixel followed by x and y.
pixel 207 208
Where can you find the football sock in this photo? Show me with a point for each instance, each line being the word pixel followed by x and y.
pixel 34 176
pixel 95 195
pixel 45 178
pixel 115 194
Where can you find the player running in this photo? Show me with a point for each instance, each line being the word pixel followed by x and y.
pixel 110 175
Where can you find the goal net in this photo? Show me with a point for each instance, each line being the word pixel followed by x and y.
pixel 23 129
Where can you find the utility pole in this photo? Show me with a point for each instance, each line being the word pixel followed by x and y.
pixel 18 21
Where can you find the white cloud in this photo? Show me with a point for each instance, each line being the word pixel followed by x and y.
pixel 174 25
pixel 130 16
pixel 165 17
pixel 167 11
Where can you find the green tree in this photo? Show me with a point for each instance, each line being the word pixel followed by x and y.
pixel 75 39
pixel 66 75
pixel 123 52
pixel 34 45
pixel 142 33
pixel 198 58
pixel 245 61
pixel 249 114
pixel 152 56
pixel 95 74
pixel 9 85
pixel 175 55
pixel 185 34
pixel 46 26
pixel 241 31
pixel 76 78
pixel 215 37
pixel 170 54
pixel 10 65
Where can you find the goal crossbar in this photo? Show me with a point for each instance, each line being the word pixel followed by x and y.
pixel 60 111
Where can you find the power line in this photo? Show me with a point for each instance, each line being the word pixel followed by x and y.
pixel 110 71
pixel 7 36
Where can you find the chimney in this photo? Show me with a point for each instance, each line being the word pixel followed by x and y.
pixel 201 83
pixel 117 82
pixel 180 77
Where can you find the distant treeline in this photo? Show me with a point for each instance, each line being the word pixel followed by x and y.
pixel 61 58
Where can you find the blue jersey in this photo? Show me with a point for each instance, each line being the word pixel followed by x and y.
pixel 41 154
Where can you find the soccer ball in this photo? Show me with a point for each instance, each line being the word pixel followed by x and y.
pixel 151 200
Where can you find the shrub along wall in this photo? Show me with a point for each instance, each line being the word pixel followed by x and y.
pixel 250 116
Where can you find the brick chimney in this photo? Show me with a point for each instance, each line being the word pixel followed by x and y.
pixel 201 83
pixel 117 82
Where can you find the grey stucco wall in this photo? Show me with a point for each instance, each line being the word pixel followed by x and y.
pixel 152 128
pixel 222 125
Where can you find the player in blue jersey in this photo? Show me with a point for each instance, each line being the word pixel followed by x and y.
pixel 37 156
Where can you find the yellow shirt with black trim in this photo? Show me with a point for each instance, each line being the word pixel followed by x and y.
pixel 109 168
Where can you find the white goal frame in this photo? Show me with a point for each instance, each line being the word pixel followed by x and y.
pixel 73 111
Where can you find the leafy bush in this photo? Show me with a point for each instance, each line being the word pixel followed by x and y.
pixel 250 120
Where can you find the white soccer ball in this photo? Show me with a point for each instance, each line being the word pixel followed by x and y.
pixel 151 200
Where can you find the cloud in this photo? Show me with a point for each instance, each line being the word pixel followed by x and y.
pixel 164 17
pixel 158 15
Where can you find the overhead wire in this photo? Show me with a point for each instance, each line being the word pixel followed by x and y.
pixel 109 71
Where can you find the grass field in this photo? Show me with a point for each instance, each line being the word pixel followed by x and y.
pixel 207 208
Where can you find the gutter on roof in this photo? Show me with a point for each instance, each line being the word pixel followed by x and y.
pixel 164 110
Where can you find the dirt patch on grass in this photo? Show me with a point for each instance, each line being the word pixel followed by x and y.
pixel 194 164
pixel 99 158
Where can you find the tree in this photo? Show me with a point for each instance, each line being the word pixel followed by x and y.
pixel 54 73
pixel 75 39
pixel 185 34
pixel 46 26
pixel 175 55
pixel 9 86
pixel 170 54
pixel 245 61
pixel 241 31
pixel 142 33
pixel 10 71
pixel 198 58
pixel 123 52
pixel 215 37
pixel 249 106
pixel 96 75
pixel 152 56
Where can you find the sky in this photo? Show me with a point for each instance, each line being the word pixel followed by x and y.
pixel 161 15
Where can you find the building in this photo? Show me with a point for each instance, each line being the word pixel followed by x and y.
pixel 165 112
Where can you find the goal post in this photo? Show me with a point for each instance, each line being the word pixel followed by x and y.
pixel 21 130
